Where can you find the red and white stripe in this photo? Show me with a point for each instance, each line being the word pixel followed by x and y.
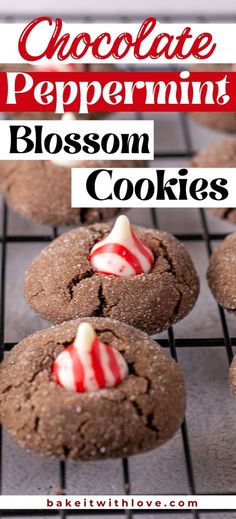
pixel 88 364
pixel 121 253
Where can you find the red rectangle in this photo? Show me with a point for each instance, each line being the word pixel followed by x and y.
pixel 120 91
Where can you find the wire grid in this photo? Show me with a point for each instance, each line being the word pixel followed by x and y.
pixel 205 236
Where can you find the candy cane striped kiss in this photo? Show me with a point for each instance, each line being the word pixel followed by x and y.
pixel 121 253
pixel 88 364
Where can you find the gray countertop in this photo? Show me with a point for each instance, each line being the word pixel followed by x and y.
pixel 211 412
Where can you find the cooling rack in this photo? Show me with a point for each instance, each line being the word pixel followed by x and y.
pixel 204 237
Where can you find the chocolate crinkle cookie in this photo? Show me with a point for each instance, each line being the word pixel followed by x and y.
pixel 219 155
pixel 222 273
pixel 61 283
pixel 222 121
pixel 44 417
pixel 41 191
pixel 26 67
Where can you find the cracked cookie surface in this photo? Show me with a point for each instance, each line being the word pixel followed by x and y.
pixel 41 191
pixel 139 414
pixel 61 284
pixel 221 273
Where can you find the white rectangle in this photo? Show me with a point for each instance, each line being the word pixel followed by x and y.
pixel 224 36
pixel 153 187
pixel 116 136
pixel 118 502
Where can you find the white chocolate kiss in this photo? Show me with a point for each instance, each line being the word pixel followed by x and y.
pixel 117 262
pixel 65 366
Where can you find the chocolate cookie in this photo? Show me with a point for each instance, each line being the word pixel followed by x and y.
pixel 105 67
pixel 50 420
pixel 222 121
pixel 222 273
pixel 41 191
pixel 219 155
pixel 61 283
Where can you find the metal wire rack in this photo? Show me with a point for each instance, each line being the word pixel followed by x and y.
pixel 205 236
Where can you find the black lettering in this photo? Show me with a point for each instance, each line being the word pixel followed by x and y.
pixel 183 185
pixel 139 189
pixel 129 189
pixel 131 143
pixel 217 184
pixel 194 189
pixel 91 181
pixel 165 189
pixel 115 144
pixel 73 145
pixel 25 137
pixel 93 147
pixel 38 139
pixel 49 142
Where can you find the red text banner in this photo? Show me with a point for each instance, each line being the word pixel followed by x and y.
pixel 117 91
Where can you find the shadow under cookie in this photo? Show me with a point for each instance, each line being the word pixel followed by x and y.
pixel 61 283
pixel 42 416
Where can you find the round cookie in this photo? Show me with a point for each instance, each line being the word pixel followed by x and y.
pixel 44 417
pixel 219 155
pixel 41 191
pixel 222 121
pixel 221 273
pixel 105 67
pixel 61 283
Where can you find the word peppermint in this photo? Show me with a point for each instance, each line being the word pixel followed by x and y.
pixel 133 90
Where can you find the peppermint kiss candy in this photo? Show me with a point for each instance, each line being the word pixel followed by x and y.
pixel 121 253
pixel 67 163
pixel 88 364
